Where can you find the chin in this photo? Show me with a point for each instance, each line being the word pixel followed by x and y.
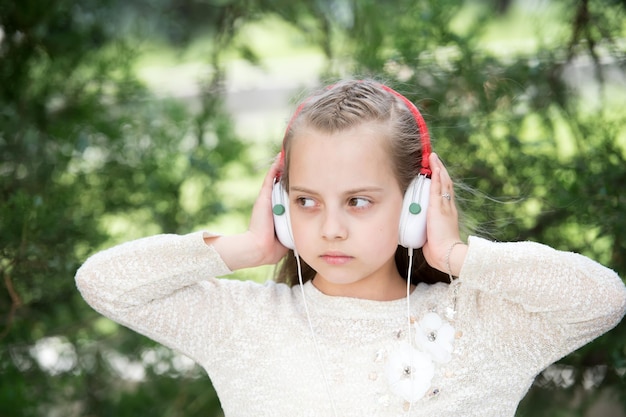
pixel 342 281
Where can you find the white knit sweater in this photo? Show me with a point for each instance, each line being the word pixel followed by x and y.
pixel 520 307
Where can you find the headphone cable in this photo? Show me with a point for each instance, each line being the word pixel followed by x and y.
pixel 316 346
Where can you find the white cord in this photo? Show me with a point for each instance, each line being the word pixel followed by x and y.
pixel 408 292
pixel 317 349
pixel 408 311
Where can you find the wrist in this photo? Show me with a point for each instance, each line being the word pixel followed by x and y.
pixel 236 251
pixel 454 259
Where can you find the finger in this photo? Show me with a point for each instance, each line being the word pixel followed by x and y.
pixel 268 181
pixel 441 186
pixel 274 171
pixel 263 202
pixel 435 185
pixel 446 182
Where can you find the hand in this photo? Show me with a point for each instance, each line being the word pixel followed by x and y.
pixel 258 245
pixel 442 222
pixel 261 227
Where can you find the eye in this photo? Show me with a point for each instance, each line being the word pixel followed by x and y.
pixel 305 202
pixel 359 202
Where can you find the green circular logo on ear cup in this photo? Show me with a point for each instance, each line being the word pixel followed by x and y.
pixel 415 208
pixel 278 209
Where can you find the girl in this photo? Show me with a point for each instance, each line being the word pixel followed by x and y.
pixel 355 327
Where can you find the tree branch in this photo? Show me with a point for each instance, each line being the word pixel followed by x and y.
pixel 16 302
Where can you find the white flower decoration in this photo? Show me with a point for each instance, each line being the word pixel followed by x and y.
pixel 409 372
pixel 435 337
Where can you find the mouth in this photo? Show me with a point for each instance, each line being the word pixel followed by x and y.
pixel 336 258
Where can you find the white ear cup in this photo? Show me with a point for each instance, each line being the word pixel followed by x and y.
pixel 412 229
pixel 282 221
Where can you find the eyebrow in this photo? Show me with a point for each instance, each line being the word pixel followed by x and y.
pixel 359 190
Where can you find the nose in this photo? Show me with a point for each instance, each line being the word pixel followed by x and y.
pixel 334 225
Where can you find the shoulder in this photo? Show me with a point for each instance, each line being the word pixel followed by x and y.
pixel 250 292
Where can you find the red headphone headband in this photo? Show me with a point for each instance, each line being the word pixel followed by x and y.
pixel 421 126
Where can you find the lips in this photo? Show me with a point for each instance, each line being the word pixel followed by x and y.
pixel 336 258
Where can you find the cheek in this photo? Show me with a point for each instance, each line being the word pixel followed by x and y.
pixel 389 228
pixel 299 227
pixel 389 235
pixel 382 232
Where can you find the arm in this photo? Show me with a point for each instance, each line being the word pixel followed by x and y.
pixel 531 299
pixel 138 272
pixel 163 286
pixel 538 301
pixel 141 271
pixel 258 245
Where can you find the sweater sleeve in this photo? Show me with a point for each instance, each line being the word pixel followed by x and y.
pixel 163 287
pixel 540 301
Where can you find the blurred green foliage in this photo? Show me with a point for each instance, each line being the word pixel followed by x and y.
pixel 83 143
pixel 532 123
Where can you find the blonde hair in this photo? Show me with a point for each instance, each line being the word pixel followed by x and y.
pixel 343 106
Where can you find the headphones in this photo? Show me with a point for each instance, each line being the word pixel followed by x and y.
pixel 412 227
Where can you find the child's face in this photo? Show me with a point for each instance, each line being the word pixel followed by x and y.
pixel 345 207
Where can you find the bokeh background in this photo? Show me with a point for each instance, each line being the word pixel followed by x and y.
pixel 123 119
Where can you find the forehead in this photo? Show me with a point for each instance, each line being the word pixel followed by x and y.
pixel 360 153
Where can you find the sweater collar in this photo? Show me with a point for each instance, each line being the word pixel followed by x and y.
pixel 358 308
